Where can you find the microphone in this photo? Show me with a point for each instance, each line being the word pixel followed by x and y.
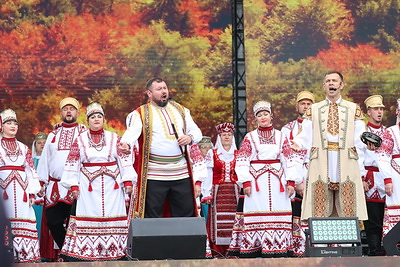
pixel 177 137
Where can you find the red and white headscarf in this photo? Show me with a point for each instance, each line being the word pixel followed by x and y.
pixel 225 127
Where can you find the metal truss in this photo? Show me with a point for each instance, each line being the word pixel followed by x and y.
pixel 239 71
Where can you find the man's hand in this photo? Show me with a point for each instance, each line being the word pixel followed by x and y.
pixel 290 190
pixel 371 146
pixel 41 192
pixel 128 189
pixel 365 185
pixel 295 146
pixel 197 190
pixel 184 140
pixel 75 194
pixel 300 189
pixel 389 189
pixel 247 191
pixel 124 148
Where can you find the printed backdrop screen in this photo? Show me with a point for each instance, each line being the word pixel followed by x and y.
pixel 106 50
pixel 290 44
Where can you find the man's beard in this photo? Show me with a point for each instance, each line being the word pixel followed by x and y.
pixel 161 103
pixel 72 120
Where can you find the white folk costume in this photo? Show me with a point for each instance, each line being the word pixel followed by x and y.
pixel 18 183
pixel 160 156
pixel 265 163
pixel 224 192
pixel 52 161
pixel 57 200
pixel 291 130
pixel 96 167
pixel 375 196
pixel 332 131
pixel 389 165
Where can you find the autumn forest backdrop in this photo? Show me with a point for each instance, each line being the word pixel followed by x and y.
pixel 105 50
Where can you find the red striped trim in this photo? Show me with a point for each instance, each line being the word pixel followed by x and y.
pixel 266 161
pixel 396 156
pixel 270 214
pixel 12 168
pixel 393 207
pixel 100 220
pixel 99 164
pixel 372 168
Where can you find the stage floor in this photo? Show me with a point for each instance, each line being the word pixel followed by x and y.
pixel 382 261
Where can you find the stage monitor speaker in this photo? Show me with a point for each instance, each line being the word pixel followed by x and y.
pixel 168 238
pixel 391 241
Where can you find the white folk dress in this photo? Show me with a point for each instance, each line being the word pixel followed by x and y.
pixel 265 160
pixel 19 182
pixel 389 165
pixel 99 230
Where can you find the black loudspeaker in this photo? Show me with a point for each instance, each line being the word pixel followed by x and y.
pixel 390 241
pixel 168 238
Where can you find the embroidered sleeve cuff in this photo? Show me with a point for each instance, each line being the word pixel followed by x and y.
pixel 128 183
pixel 363 178
pixel 247 184
pixel 42 183
pixel 74 188
pixel 291 183
pixel 191 137
pixel 198 183
pixel 388 180
pixel 31 195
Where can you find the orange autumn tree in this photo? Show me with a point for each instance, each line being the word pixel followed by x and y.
pixel 355 59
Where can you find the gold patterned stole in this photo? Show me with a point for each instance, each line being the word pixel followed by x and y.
pixel 333 119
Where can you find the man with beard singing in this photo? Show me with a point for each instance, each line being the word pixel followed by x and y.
pixel 332 130
pixel 58 200
pixel 163 129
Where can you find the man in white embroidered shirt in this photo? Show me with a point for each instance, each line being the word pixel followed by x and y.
pixel 163 129
pixel 332 130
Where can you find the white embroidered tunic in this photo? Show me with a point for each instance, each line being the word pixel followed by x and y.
pixel 51 164
pixel 166 159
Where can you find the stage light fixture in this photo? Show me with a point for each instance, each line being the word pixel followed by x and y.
pixel 333 237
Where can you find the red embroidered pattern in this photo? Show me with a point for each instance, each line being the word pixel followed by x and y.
pixel 195 154
pixel 74 153
pixel 245 149
pixel 66 138
pixel 103 170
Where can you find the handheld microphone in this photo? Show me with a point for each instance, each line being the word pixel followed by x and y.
pixel 177 137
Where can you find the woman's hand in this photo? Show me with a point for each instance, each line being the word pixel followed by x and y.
pixel 290 190
pixel 75 194
pixel 197 190
pixel 247 191
pixel 389 189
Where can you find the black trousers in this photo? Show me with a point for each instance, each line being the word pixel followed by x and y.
pixel 57 216
pixel 296 205
pixel 179 194
pixel 374 225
